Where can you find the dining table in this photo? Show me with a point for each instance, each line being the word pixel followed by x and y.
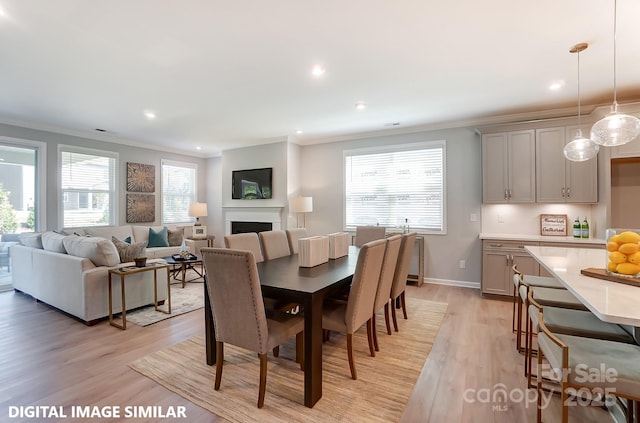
pixel 284 278
pixel 609 300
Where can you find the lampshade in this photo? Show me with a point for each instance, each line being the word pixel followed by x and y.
pixel 197 209
pixel 302 204
pixel 615 128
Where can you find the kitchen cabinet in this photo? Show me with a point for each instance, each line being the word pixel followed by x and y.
pixel 559 180
pixel 508 167
pixel 498 258
pixel 631 149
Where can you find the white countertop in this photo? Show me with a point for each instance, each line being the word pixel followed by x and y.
pixel 611 301
pixel 540 238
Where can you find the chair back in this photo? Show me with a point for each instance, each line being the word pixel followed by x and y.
pixel 388 271
pixel 364 284
pixel 274 244
pixel 293 235
pixel 402 267
pixel 246 242
pixel 366 234
pixel 234 290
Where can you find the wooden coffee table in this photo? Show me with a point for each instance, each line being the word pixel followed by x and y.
pixel 184 266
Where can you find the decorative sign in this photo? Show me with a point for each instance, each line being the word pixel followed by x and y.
pixel 141 177
pixel 553 224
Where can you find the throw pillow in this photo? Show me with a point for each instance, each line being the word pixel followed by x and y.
pixel 100 251
pixel 158 239
pixel 31 239
pixel 175 237
pixel 128 252
pixel 52 241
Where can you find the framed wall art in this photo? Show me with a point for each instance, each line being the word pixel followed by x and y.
pixel 553 224
pixel 141 177
pixel 141 208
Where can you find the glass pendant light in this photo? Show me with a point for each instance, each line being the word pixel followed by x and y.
pixel 615 128
pixel 580 149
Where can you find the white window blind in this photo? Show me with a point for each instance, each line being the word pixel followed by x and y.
pixel 88 180
pixel 178 191
pixel 390 187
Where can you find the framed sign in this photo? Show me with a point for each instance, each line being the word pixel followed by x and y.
pixel 199 232
pixel 553 224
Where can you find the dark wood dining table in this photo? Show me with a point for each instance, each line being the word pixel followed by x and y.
pixel 284 278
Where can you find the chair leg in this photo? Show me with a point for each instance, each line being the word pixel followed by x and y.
pixel 219 361
pixel 393 315
pixel 374 332
pixel 539 389
pixel 513 312
pixel 352 364
pixel 276 351
pixel 386 318
pixel 372 350
pixel 519 325
pixel 404 305
pixel 300 349
pixel 326 334
pixel 263 379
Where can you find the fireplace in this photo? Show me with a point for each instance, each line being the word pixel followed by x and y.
pixel 268 216
pixel 244 227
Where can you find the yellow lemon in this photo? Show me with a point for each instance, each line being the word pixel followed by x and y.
pixel 628 248
pixel 612 246
pixel 634 258
pixel 617 257
pixel 628 269
pixel 611 266
pixel 628 236
pixel 615 238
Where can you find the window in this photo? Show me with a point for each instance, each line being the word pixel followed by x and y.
pixel 393 185
pixel 88 181
pixel 178 190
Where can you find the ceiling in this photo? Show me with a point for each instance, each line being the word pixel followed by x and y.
pixel 227 74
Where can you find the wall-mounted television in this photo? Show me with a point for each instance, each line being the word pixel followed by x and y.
pixel 252 184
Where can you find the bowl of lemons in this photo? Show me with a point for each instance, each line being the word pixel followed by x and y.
pixel 623 252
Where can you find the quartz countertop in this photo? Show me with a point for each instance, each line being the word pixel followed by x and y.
pixel 540 238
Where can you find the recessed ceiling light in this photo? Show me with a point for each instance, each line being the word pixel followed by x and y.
pixel 298 132
pixel 317 71
pixel 149 114
pixel 361 105
pixel 556 85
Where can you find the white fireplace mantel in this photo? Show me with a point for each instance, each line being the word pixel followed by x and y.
pixel 252 214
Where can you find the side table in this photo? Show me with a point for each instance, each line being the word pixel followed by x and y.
pixel 202 242
pixel 123 272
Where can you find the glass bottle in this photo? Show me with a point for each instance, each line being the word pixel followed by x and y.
pixel 585 228
pixel 577 230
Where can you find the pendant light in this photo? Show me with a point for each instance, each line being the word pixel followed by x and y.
pixel 615 128
pixel 580 149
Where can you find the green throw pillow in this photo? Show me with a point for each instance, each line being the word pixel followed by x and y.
pixel 158 239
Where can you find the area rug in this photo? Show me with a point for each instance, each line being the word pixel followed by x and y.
pixel 380 393
pixel 183 300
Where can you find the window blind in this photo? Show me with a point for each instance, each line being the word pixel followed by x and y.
pixel 178 191
pixel 394 188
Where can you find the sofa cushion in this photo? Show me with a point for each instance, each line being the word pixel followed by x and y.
pixel 128 252
pixel 175 236
pixel 120 232
pixel 52 241
pixel 100 251
pixel 158 238
pixel 31 239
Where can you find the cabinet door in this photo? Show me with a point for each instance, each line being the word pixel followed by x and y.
pixel 581 177
pixel 522 172
pixel 550 165
pixel 494 168
pixel 495 273
pixel 526 264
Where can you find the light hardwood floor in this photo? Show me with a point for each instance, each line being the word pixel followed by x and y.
pixel 47 358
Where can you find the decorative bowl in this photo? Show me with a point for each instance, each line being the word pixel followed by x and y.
pixel 623 252
pixel 140 261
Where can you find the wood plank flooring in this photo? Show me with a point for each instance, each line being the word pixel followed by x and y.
pixel 47 358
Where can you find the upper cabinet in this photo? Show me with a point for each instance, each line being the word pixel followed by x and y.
pixel 559 180
pixel 508 167
pixel 631 149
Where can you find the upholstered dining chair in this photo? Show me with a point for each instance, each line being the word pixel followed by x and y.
pixel 383 294
pixel 400 276
pixel 347 317
pixel 366 234
pixel 248 242
pixel 293 235
pixel 238 310
pixel 274 244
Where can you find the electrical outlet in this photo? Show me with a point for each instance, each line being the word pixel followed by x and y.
pixel 462 264
pixel 473 217
pixel 500 218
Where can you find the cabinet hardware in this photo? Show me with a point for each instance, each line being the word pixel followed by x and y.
pixel 509 193
pixel 496 245
pixel 562 192
pixel 506 194
pixel 568 192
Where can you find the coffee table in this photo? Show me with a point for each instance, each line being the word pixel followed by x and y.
pixel 184 266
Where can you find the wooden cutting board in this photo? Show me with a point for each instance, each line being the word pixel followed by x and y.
pixel 602 274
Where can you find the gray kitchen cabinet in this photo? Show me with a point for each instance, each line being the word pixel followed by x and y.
pixel 498 258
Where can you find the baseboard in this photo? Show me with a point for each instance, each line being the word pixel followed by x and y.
pixel 449 282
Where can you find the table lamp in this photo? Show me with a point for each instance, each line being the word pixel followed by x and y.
pixel 198 210
pixel 301 205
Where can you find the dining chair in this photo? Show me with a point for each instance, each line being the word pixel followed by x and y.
pixel 238 310
pixel 366 234
pixel 247 241
pixel 274 244
pixel 567 353
pixel 347 317
pixel 293 235
pixel 383 294
pixel 400 276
